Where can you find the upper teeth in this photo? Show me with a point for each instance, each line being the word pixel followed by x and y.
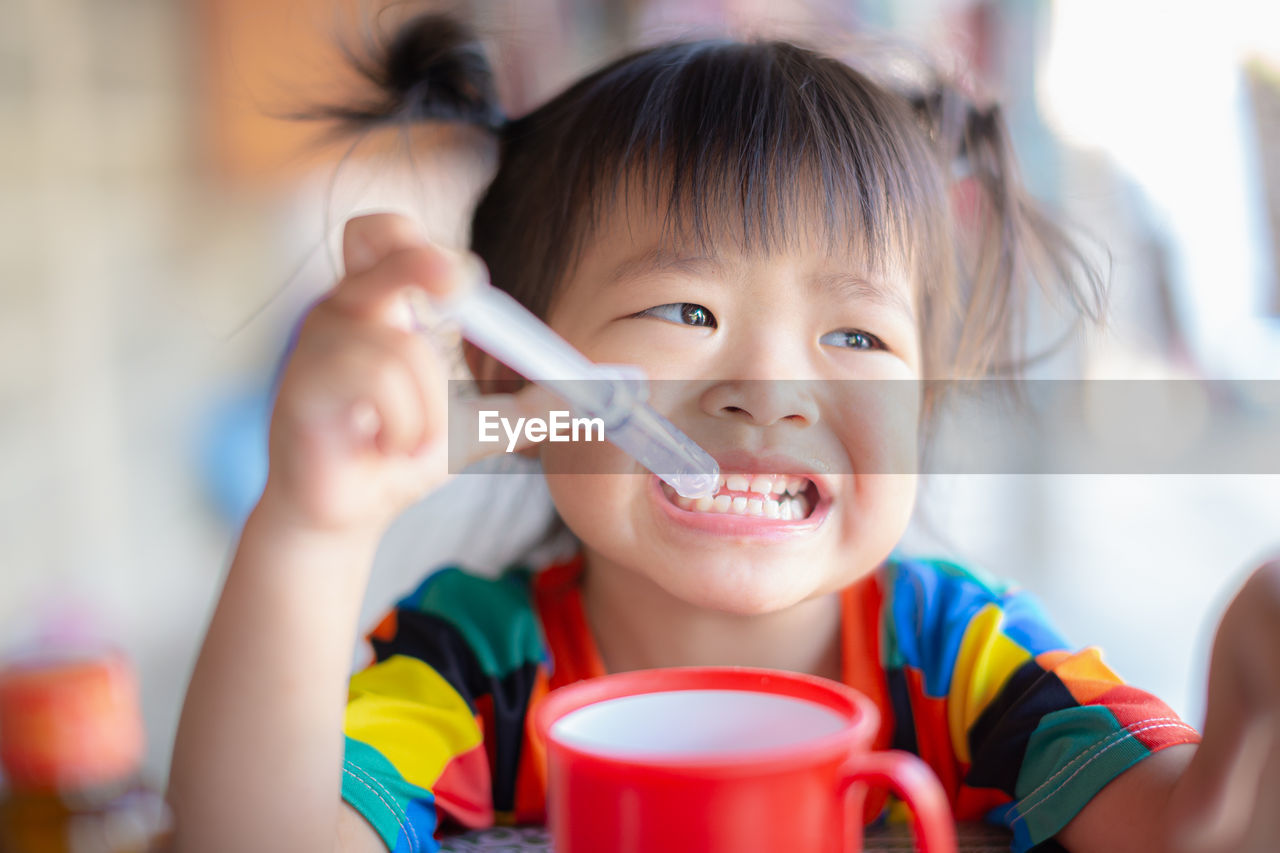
pixel 785 508
pixel 768 495
pixel 763 484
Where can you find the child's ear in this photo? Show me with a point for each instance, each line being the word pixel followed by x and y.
pixel 494 377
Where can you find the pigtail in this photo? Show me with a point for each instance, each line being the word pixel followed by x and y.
pixel 1008 243
pixel 433 69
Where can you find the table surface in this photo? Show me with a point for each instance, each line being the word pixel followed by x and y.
pixel 972 837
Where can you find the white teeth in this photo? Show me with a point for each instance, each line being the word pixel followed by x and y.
pixel 764 485
pixel 783 508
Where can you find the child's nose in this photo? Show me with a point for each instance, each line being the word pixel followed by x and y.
pixel 767 378
pixel 763 402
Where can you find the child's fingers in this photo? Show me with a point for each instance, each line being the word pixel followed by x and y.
pixel 368 239
pixel 380 383
pixel 372 402
pixel 398 392
pixel 383 292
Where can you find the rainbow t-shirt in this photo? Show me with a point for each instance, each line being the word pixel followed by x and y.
pixel 967 674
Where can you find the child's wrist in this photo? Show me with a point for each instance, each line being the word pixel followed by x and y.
pixel 279 507
pixel 279 522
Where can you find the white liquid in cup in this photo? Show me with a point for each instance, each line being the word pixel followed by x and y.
pixel 695 722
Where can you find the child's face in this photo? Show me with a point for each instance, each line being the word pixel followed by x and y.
pixel 764 346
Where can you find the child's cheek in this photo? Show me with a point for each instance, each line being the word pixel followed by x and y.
pixel 878 422
pixel 662 350
pixel 884 503
pixel 585 460
pixel 589 481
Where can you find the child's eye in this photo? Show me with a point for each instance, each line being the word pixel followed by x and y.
pixel 852 339
pixel 684 313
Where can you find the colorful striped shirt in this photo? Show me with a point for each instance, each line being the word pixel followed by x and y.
pixel 967 673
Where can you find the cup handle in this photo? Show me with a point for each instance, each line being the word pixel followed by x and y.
pixel 914 783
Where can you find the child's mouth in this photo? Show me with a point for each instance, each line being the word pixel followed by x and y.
pixel 783 497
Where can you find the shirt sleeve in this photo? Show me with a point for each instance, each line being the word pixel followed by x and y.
pixel 406 727
pixel 1033 728
pixel 432 726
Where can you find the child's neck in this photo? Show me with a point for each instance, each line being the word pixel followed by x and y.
pixel 639 625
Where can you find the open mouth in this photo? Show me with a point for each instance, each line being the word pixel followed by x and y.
pixel 784 497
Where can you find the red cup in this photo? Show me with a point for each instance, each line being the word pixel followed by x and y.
pixel 705 759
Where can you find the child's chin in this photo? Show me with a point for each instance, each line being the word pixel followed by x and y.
pixel 744 596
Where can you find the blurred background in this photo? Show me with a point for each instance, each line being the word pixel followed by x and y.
pixel 163 225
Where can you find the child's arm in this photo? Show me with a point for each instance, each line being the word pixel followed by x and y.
pixel 260 739
pixel 1223 796
pixel 357 433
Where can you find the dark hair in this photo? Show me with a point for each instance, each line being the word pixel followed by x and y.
pixel 756 132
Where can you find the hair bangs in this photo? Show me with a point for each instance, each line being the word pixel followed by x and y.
pixel 755 143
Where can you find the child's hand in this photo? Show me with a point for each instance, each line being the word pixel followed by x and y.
pixel 360 423
pixel 1229 798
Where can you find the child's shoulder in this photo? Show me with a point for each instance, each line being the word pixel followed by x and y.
pixel 933 576
pixel 493 615
pixel 931 604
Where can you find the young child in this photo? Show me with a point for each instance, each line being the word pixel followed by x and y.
pixel 762 223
